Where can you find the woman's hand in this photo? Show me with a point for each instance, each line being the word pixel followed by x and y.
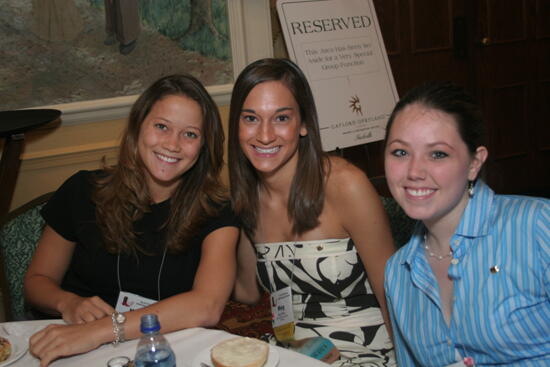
pixel 55 341
pixel 79 310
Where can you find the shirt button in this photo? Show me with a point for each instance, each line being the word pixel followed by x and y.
pixel 449 342
pixel 454 261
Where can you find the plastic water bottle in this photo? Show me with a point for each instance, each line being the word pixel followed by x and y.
pixel 153 349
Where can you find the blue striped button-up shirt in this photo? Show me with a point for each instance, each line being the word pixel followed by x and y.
pixel 501 276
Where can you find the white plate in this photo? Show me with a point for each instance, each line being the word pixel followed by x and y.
pixel 204 357
pixel 19 346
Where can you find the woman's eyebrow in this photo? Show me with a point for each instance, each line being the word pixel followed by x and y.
pixel 281 109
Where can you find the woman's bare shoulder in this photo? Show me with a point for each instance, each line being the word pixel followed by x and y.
pixel 343 174
pixel 350 195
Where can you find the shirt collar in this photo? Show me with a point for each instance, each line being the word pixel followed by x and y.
pixel 415 244
pixel 476 221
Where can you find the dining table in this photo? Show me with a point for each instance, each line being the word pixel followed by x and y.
pixel 191 347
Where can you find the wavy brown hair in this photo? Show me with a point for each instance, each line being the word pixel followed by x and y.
pixel 307 193
pixel 121 193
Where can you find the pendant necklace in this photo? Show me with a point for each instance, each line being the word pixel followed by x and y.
pixel 433 254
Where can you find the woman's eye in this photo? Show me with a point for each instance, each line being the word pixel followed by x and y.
pixel 161 126
pixel 282 118
pixel 398 153
pixel 439 155
pixel 249 118
pixel 191 135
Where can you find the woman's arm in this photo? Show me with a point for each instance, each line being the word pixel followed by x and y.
pixel 201 306
pixel 246 286
pixel 364 218
pixel 43 278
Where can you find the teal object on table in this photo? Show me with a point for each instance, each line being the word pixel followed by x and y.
pixel 318 348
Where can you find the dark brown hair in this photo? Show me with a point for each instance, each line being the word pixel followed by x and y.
pixel 121 194
pixel 307 193
pixel 449 98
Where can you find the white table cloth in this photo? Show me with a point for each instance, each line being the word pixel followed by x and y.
pixel 187 344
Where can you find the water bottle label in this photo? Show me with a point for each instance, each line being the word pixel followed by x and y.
pixel 157 358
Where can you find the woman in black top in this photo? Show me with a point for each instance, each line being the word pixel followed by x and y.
pixel 151 235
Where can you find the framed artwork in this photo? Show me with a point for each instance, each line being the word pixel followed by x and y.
pixel 91 58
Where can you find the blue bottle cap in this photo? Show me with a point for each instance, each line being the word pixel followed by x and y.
pixel 149 323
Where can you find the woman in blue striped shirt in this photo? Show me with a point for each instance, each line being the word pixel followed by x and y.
pixel 472 286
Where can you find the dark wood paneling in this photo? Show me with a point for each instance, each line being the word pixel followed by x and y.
pixel 435 66
pixel 542 57
pixel 506 64
pixel 390 13
pixel 510 134
pixel 506 20
pixel 431 30
pixel 511 161
pixel 387 11
pixel 542 130
pixel 513 77
pixel 543 19
pixel 511 176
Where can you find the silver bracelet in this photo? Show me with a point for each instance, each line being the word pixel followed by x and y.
pixel 118 327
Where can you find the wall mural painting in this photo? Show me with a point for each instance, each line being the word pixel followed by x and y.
pixel 63 51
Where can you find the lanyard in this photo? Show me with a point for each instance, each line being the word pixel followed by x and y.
pixel 282 306
pixel 158 277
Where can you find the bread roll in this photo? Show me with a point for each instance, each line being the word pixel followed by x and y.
pixel 240 352
pixel 5 349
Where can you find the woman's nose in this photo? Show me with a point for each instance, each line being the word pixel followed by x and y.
pixel 417 169
pixel 171 142
pixel 266 133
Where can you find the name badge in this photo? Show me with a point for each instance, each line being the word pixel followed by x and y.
pixel 282 314
pixel 129 302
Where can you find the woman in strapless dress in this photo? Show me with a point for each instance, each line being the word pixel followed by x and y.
pixel 310 222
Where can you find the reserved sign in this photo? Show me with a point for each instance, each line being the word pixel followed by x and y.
pixel 338 45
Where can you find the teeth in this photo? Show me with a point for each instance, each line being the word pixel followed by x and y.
pixel 420 192
pixel 166 158
pixel 267 150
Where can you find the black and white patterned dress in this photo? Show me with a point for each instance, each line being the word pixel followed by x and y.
pixel 331 297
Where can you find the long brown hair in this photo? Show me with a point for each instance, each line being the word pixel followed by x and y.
pixel 307 193
pixel 121 194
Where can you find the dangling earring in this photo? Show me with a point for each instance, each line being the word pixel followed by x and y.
pixel 471 189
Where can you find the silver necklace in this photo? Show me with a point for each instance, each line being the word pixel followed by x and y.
pixel 433 254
